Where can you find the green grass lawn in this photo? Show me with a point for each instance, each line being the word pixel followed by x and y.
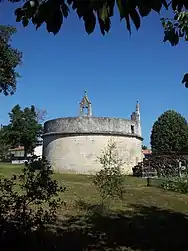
pixel 148 218
pixel 7 169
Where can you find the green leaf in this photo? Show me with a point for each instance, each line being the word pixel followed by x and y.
pixel 25 21
pixel 176 4
pixel 38 21
pixel 165 4
pixel 135 18
pixel 69 2
pixel 156 5
pixel 121 10
pixel 104 13
pixel 104 27
pixel 19 14
pixel 90 22
pixel 103 18
pixel 39 18
pixel 81 7
pixel 181 34
pixel 80 12
pixel 128 23
pixel 176 38
pixel 186 4
pixel 185 80
pixel 65 10
pixel 54 23
pixel 144 10
pixel 111 7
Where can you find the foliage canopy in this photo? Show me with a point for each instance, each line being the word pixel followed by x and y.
pixel 23 129
pixel 4 145
pixel 53 12
pixel 10 58
pixel 169 133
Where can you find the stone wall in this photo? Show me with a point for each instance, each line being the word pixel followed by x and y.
pixel 91 125
pixel 79 153
pixel 73 144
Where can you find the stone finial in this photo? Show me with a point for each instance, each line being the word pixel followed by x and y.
pixel 137 118
pixel 85 106
pixel 137 111
pixel 136 114
pixel 137 106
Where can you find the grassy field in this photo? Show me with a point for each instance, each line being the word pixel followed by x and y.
pixel 148 219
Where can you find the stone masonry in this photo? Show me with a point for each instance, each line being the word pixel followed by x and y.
pixel 73 144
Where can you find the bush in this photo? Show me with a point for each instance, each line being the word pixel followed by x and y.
pixel 176 184
pixel 34 162
pixel 110 180
pixel 29 201
pixel 162 165
pixel 137 171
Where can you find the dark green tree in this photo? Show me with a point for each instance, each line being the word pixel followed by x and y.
pixel 10 58
pixel 53 12
pixel 4 146
pixel 169 133
pixel 24 128
pixel 144 147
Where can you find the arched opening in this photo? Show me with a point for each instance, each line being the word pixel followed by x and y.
pixel 85 110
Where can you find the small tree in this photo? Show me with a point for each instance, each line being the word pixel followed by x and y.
pixel 110 180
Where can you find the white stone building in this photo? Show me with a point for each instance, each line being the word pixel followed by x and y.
pixel 72 144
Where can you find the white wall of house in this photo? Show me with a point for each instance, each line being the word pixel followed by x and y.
pixel 17 153
pixel 20 153
pixel 38 151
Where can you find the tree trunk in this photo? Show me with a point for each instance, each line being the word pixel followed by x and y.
pixel 25 153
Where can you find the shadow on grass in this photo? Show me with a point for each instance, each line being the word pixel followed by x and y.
pixel 146 229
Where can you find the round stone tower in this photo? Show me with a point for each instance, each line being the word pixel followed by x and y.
pixel 72 144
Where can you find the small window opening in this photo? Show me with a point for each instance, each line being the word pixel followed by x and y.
pixel 85 110
pixel 132 129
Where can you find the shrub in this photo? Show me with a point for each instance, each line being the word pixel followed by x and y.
pixel 29 201
pixel 137 170
pixel 110 180
pixel 176 184
pixel 163 165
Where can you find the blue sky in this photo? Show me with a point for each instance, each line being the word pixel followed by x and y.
pixel 117 70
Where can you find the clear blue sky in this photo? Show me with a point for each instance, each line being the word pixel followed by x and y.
pixel 117 70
